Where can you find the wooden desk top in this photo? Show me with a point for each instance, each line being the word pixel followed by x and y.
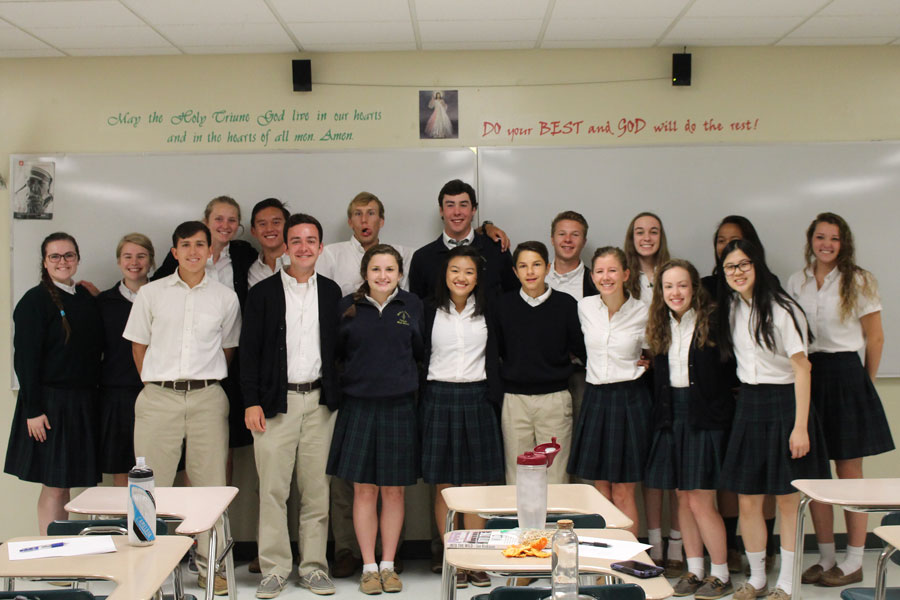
pixel 137 571
pixel 493 560
pixel 198 507
pixel 864 493
pixel 890 534
pixel 575 498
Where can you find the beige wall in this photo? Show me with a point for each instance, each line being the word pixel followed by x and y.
pixel 783 94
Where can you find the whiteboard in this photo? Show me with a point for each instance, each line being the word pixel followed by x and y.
pixel 99 198
pixel 780 188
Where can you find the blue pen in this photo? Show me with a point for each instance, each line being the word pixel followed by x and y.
pixel 43 547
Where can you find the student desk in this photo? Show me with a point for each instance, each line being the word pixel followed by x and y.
pixel 493 560
pixel 198 509
pixel 857 495
pixel 137 571
pixel 891 537
pixel 576 498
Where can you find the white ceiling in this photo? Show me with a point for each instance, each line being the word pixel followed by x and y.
pixel 136 27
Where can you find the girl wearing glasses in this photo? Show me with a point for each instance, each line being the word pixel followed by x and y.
pixel 844 311
pixel 774 437
pixel 56 354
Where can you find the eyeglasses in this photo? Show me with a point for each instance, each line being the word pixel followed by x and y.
pixel 743 267
pixel 68 256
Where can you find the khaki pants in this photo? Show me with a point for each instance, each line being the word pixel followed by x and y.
pixel 295 441
pixel 163 419
pixel 529 420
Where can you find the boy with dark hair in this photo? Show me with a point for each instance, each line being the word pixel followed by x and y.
pixel 267 225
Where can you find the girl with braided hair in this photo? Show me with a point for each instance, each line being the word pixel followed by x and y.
pixel 57 345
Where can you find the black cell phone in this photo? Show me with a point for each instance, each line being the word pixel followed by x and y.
pixel 638 569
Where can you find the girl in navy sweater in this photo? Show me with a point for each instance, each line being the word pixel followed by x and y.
pixel 375 441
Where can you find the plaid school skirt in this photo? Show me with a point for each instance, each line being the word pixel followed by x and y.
pixel 612 434
pixel 682 457
pixel 758 459
pixel 376 441
pixel 848 406
pixel 117 428
pixel 461 440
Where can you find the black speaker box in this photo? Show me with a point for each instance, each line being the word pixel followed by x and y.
pixel 302 75
pixel 681 69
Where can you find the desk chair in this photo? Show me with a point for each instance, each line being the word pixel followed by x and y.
pixel 49 595
pixel 623 591
pixel 860 593
pixel 581 521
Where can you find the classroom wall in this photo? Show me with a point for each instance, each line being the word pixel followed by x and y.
pixel 565 98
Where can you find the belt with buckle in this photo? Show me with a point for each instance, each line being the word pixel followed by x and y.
pixel 302 388
pixel 186 385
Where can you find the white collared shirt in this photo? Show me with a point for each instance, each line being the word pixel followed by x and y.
pixel 259 270
pixel 571 283
pixel 69 289
pixel 535 302
pixel 127 293
pixel 756 363
pixel 301 318
pixel 458 342
pixel 184 328
pixel 470 237
pixel 646 289
pixel 680 347
pixel 823 309
pixel 222 270
pixel 381 307
pixel 613 345
pixel 340 262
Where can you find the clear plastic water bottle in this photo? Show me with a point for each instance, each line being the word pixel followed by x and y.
pixel 141 505
pixel 564 580
pixel 531 490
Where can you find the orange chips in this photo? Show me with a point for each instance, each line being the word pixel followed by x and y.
pixel 530 549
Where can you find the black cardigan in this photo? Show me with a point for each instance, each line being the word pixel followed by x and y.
pixel 118 368
pixel 712 384
pixel 491 353
pixel 589 289
pixel 263 354
pixel 242 256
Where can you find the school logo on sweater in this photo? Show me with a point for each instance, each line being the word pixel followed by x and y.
pixel 402 318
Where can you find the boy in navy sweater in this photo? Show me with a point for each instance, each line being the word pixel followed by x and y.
pixel 538 333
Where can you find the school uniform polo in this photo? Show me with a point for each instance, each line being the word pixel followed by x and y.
pixel 646 288
pixel 259 270
pixel 341 261
pixel 185 330
pixel 757 363
pixel 577 282
pixel 288 338
pixel 613 345
pixel 846 401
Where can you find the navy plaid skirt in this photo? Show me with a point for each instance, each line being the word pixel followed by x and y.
pixel 461 441
pixel 68 458
pixel 848 406
pixel 376 441
pixel 683 457
pixel 117 428
pixel 612 434
pixel 758 459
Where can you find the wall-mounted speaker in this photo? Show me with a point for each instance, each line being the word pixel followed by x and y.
pixel 681 69
pixel 302 75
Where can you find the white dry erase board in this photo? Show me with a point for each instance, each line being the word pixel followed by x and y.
pixel 98 198
pixel 780 188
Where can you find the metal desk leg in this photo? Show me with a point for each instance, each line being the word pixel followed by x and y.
pixel 178 583
pixel 9 584
pixel 880 571
pixel 229 556
pixel 798 546
pixel 448 582
pixel 211 564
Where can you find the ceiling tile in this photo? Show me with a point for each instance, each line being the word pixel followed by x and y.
pixel 472 10
pixel 479 31
pixel 510 45
pixel 601 29
pixel 359 47
pixel 594 9
pixel 833 41
pixel 224 34
pixel 862 7
pixel 360 33
pixel 67 38
pixel 199 12
pixel 604 43
pixel 98 13
pixel 232 49
pixel 872 26
pixel 755 8
pixel 123 51
pixel 736 28
pixel 293 11
pixel 680 42
pixel 15 39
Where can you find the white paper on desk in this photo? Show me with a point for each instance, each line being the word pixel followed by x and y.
pixel 73 546
pixel 618 549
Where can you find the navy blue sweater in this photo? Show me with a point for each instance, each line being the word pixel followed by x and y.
pixel 118 368
pixel 378 353
pixel 536 342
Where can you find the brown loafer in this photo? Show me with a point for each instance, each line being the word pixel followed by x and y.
pixel 253 567
pixel 345 564
pixel 462 579
pixel 674 568
pixel 812 574
pixel 687 584
pixel 479 579
pixel 735 561
pixel 834 577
